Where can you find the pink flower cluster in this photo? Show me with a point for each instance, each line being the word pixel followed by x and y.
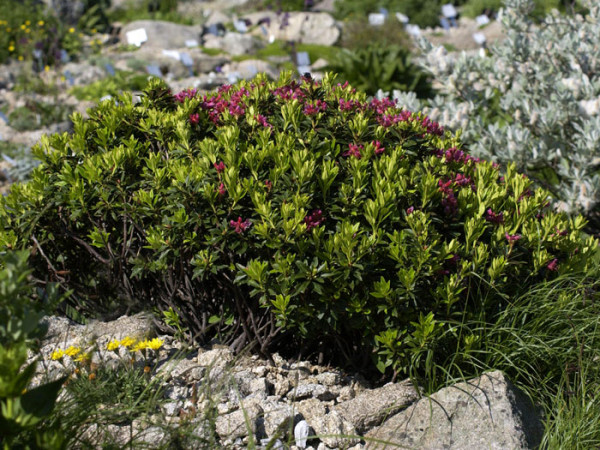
pixel 186 93
pixel 432 127
pixel 262 120
pixel 449 200
pixel 512 237
pixel 387 120
pixel 220 167
pixel 239 225
pixel 354 150
pixel 378 147
pixel 350 105
pixel 492 217
pixel 381 106
pixel 455 155
pixel 290 92
pixel 312 109
pixel 314 219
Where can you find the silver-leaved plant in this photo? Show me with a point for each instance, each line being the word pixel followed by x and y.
pixel 532 98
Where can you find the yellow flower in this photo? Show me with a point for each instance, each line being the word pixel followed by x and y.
pixel 11 48
pixel 20 58
pixel 47 69
pixel 57 354
pixel 155 344
pixel 72 351
pixel 27 22
pixel 23 27
pixel 71 30
pixel 113 345
pixel 141 345
pixel 94 30
pixel 127 342
pixel 41 23
pixel 27 30
pixel 83 357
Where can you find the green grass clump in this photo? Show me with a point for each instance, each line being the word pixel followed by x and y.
pixel 38 114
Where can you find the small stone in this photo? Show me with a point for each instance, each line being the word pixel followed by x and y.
pixel 301 432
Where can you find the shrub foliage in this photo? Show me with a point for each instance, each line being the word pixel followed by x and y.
pixel 296 212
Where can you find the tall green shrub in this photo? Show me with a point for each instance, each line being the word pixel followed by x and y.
pixel 287 209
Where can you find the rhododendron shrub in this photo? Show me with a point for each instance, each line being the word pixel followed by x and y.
pixel 287 215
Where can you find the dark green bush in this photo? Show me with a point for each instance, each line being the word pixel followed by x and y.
pixel 296 213
pixel 377 67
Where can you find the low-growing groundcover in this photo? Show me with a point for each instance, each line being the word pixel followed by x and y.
pixel 291 216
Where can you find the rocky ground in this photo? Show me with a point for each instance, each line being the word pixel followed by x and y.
pixel 290 404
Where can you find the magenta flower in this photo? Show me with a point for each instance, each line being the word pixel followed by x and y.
pixel 316 108
pixel 262 120
pixel 512 237
pixel 194 119
pixel 410 210
pixel 379 148
pixel 492 217
pixel 268 185
pixel 553 265
pixel 239 226
pixel 187 93
pixel 220 167
pixel 354 150
pixel 314 219
pixel 222 189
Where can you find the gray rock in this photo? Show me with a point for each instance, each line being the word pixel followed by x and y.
pixel 301 432
pixel 335 431
pixel 277 419
pixel 163 35
pixel 83 73
pixel 304 391
pixel 233 43
pixel 486 412
pixel 371 407
pixel 306 27
pixel 239 423
pixel 249 68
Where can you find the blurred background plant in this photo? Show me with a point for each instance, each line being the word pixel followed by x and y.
pixel 381 67
pixel 23 409
pixel 28 32
pixel 113 86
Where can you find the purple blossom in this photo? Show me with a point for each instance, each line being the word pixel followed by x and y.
pixel 219 167
pixel 194 118
pixel 222 189
pixel 512 237
pixel 354 150
pixel 379 148
pixel 262 120
pixel 410 210
pixel 553 265
pixel 239 226
pixel 186 93
pixel 316 108
pixel 492 217
pixel 314 219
